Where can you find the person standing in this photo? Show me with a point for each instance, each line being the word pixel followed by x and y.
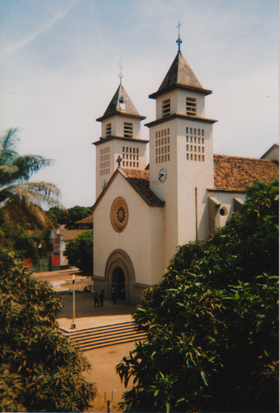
pixel 96 301
pixel 101 296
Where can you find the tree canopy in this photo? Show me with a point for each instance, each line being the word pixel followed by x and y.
pixel 21 200
pixel 40 370
pixel 79 252
pixel 68 217
pixel 212 323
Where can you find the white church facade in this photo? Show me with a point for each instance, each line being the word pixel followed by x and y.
pixel 143 212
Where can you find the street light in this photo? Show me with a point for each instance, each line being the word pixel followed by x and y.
pixel 73 325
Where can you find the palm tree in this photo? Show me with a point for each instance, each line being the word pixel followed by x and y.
pixel 20 200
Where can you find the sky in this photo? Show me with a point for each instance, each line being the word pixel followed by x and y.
pixel 60 61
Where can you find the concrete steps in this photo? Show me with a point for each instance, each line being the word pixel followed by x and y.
pixel 96 337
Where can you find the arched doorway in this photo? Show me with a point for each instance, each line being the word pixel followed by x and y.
pixel 120 272
pixel 118 282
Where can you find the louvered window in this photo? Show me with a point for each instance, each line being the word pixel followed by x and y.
pixel 165 108
pixel 128 130
pixel 191 106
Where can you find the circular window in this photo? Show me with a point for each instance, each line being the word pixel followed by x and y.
pixel 119 214
pixel 223 211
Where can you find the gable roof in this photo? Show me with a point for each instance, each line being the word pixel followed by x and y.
pixel 181 75
pixel 121 104
pixel 139 180
pixel 235 173
pixel 86 220
pixel 272 153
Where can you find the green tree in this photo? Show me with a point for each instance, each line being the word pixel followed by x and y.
pixel 79 252
pixel 212 323
pixel 40 370
pixel 68 217
pixel 76 214
pixel 24 243
pixel 20 200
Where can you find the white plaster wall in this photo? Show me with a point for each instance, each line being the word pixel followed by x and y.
pixel 227 201
pixel 100 178
pixel 126 144
pixel 117 126
pixel 166 191
pixel 178 102
pixel 157 252
pixel 193 174
pixel 135 240
pixel 181 99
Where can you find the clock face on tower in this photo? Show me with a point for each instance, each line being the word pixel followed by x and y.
pixel 104 183
pixel 162 175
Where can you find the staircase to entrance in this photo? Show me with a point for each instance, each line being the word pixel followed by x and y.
pixel 102 336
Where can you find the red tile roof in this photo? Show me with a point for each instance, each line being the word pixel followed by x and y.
pixel 233 172
pixel 87 220
pixel 139 180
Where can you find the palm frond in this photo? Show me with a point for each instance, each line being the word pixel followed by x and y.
pixel 8 144
pixel 20 200
pixel 21 211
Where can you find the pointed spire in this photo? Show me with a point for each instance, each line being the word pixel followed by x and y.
pixel 180 75
pixel 121 104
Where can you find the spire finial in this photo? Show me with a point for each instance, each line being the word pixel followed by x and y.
pixel 120 74
pixel 179 41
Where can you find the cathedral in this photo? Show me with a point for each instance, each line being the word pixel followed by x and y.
pixel 144 211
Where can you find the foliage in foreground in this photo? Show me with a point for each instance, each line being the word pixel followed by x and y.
pixel 79 252
pixel 21 200
pixel 212 323
pixel 39 368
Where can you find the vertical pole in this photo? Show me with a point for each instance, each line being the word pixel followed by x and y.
pixel 73 280
pixel 196 218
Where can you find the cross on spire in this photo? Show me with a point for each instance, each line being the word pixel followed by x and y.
pixel 119 161
pixel 179 41
pixel 120 74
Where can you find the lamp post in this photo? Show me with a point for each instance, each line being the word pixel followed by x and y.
pixel 73 325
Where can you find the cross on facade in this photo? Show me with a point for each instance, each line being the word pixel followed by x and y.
pixel 119 161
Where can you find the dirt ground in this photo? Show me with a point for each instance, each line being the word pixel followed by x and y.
pixel 102 360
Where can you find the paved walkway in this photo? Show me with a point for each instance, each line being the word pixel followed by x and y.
pixel 86 315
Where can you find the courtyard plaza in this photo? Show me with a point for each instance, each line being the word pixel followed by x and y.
pixel 103 360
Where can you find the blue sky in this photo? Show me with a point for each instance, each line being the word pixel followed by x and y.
pixel 59 66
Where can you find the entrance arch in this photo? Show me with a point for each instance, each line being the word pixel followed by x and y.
pixel 118 282
pixel 120 272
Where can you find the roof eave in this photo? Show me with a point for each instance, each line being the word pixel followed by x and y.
pixel 120 113
pixel 179 86
pixel 119 138
pixel 180 116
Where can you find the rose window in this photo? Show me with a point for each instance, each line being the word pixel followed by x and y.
pixel 119 214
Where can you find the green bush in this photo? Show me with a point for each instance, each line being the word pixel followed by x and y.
pixel 79 252
pixel 212 323
pixel 39 368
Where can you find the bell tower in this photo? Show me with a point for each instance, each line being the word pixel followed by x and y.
pixel 181 153
pixel 120 144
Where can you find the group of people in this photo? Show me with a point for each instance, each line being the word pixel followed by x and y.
pixel 98 298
